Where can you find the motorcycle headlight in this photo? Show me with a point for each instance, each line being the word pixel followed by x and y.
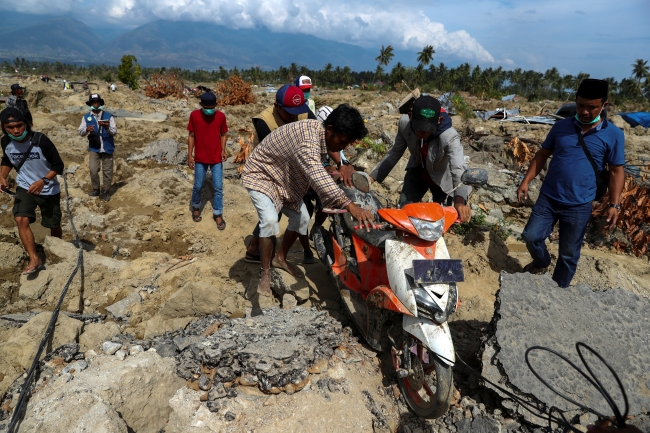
pixel 427 307
pixel 427 230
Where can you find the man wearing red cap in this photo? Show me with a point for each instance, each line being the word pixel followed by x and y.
pixel 584 147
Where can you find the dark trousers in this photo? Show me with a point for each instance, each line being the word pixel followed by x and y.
pixel 573 221
pixel 415 186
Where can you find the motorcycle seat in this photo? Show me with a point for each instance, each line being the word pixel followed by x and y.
pixel 365 200
pixel 376 238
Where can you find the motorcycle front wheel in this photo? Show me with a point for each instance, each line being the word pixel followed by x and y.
pixel 428 385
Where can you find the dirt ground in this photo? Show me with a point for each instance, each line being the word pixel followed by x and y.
pixel 147 225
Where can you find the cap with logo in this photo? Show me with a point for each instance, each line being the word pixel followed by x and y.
pixel 304 82
pixel 292 99
pixel 426 112
pixel 95 98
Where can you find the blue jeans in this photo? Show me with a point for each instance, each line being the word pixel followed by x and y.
pixel 200 172
pixel 573 221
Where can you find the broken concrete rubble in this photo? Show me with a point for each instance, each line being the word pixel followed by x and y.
pixel 533 311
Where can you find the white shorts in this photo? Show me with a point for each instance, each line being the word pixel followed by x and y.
pixel 268 216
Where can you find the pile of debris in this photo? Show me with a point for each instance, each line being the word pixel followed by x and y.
pixel 163 85
pixel 167 151
pixel 634 218
pixel 234 91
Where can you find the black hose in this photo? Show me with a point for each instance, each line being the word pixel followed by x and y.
pixel 26 387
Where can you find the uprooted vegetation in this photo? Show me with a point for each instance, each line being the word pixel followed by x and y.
pixel 163 85
pixel 234 91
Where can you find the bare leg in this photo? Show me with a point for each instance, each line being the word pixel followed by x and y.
pixel 253 247
pixel 27 238
pixel 280 259
pixel 266 251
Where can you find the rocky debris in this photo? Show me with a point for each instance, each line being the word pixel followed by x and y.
pixel 121 310
pixel 12 255
pixel 21 347
pixel 166 151
pixel 533 311
pixel 137 388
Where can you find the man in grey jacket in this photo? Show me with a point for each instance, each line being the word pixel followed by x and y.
pixel 437 161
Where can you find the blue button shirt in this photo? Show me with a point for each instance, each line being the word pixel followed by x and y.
pixel 571 178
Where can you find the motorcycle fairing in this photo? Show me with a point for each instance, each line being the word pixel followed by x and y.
pixel 371 265
pixel 436 338
pixel 382 297
pixel 399 256
pixel 340 269
pixel 424 211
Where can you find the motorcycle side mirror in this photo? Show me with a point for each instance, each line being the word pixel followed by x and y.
pixel 361 181
pixel 475 177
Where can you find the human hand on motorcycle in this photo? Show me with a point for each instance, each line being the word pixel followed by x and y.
pixel 364 216
pixel 464 212
pixel 346 172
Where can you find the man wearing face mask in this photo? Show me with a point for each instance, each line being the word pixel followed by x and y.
pixel 100 127
pixel 206 150
pixel 304 82
pixel 570 184
pixel 437 161
pixel 37 162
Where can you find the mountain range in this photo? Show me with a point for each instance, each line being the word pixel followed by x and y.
pixel 188 45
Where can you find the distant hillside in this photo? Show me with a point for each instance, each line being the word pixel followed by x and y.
pixel 63 39
pixel 187 45
pixel 207 46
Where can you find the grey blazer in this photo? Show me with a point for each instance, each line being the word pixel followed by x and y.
pixel 445 159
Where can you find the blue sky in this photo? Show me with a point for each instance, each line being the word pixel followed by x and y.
pixel 599 37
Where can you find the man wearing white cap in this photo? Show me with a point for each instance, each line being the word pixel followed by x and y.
pixel 304 82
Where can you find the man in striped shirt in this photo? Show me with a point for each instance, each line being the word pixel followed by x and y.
pixel 281 169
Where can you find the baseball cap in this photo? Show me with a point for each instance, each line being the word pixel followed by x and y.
pixel 426 112
pixel 15 87
pixel 208 98
pixel 10 115
pixel 304 82
pixel 323 112
pixel 292 99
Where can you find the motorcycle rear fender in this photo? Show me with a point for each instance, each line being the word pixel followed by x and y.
pixel 434 337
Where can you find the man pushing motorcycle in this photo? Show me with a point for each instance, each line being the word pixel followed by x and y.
pixel 281 169
pixel 437 161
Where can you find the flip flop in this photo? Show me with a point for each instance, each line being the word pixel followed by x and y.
pixel 196 215
pixel 34 269
pixel 277 265
pixel 222 224
pixel 252 258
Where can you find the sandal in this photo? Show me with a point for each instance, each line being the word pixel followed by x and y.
pixel 220 225
pixel 28 271
pixel 252 258
pixel 196 215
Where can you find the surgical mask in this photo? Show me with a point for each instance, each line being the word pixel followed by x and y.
pixel 20 137
pixel 596 120
pixel 208 111
pixel 100 108
pixel 307 95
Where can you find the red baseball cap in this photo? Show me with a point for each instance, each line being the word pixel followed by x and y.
pixel 292 99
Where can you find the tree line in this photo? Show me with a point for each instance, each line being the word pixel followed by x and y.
pixel 487 82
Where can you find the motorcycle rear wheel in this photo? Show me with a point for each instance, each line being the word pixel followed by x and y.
pixel 428 388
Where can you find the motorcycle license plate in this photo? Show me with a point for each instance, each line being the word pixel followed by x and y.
pixel 438 271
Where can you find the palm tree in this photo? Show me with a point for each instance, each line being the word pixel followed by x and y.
pixel 640 69
pixel 346 75
pixel 398 73
pixel 443 73
pixel 385 56
pixel 327 73
pixel 426 55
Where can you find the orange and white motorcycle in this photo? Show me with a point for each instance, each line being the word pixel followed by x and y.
pixel 400 286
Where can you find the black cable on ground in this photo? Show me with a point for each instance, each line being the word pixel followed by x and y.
pixel 26 388
pixel 548 413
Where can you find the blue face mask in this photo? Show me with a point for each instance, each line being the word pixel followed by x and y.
pixel 100 108
pixel 307 95
pixel 208 111
pixel 597 119
pixel 20 137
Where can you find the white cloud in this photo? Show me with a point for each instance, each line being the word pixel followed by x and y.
pixel 369 23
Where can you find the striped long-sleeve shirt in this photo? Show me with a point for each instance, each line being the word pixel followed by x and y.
pixel 288 161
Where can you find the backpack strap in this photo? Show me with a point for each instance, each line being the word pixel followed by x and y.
pixel 581 140
pixel 34 141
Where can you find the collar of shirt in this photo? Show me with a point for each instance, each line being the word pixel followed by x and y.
pixel 602 124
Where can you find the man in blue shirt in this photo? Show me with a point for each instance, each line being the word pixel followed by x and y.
pixel 570 183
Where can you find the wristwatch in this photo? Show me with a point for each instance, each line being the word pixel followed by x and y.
pixel 45 180
pixel 615 206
